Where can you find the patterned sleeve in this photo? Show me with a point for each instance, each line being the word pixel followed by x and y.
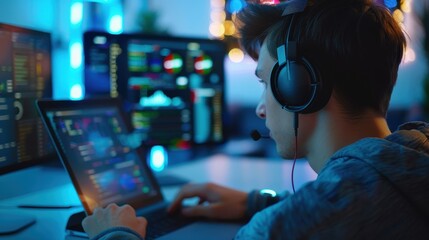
pixel 118 233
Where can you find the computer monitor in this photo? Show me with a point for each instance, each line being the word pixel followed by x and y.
pixel 174 87
pixel 25 75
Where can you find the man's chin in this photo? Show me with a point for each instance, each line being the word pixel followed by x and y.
pixel 289 155
pixel 286 155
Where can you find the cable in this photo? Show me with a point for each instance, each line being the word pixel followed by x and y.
pixel 296 119
pixel 294 161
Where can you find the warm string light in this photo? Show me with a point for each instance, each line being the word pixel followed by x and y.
pixel 217 18
pixel 222 25
pixel 269 2
pixel 400 9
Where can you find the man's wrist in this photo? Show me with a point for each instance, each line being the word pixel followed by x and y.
pixel 260 199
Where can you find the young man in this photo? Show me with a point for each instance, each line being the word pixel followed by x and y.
pixel 329 65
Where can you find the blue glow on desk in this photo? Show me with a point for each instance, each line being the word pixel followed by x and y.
pixel 158 158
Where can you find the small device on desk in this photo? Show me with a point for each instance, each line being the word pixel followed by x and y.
pixel 27 195
pixel 13 223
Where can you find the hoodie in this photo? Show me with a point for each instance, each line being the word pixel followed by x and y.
pixel 372 189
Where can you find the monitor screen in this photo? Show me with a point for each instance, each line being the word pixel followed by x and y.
pixel 25 75
pixel 174 88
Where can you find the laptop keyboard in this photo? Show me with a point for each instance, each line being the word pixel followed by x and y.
pixel 159 223
pixel 162 223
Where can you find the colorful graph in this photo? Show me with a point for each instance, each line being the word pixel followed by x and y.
pixel 159 99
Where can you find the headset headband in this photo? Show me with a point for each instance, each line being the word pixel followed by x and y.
pixel 290 7
pixel 293 6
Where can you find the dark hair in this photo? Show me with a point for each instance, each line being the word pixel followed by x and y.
pixel 355 44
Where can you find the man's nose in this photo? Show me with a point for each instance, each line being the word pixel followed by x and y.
pixel 260 110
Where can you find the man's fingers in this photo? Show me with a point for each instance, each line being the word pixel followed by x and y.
pixel 198 211
pixel 187 191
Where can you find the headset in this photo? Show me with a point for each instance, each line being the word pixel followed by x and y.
pixel 295 82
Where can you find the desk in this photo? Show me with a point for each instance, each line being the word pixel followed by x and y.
pixel 242 173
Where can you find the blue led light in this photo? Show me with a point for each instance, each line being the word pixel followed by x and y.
pixel 391 3
pixel 76 92
pixel 158 158
pixel 235 6
pixel 268 191
pixel 76 50
pixel 76 13
pixel 115 24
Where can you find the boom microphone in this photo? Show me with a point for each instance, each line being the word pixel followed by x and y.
pixel 255 135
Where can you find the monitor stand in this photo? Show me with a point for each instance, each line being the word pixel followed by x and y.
pixel 13 223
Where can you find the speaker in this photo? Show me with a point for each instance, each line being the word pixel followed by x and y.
pixel 295 82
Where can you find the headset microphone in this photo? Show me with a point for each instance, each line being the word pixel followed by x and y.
pixel 256 135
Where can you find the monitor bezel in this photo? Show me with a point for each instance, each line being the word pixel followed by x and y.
pixel 51 157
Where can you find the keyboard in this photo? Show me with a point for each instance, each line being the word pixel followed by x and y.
pixel 159 223
pixel 162 223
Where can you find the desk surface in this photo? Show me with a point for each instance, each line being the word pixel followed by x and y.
pixel 241 173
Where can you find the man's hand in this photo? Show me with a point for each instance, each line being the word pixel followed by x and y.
pixel 215 201
pixel 113 216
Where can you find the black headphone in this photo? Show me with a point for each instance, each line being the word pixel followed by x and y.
pixel 295 82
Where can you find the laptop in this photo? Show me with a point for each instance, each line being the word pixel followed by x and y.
pixel 106 163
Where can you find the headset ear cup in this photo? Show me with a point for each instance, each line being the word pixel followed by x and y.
pixel 274 78
pixel 321 89
pixel 294 85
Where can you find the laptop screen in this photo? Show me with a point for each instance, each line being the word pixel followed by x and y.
pixel 100 152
